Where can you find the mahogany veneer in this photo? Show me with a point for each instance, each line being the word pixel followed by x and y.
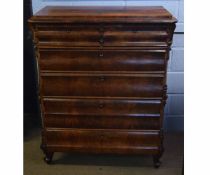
pixel 102 78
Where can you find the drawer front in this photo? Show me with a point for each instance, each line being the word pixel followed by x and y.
pixel 105 85
pixel 68 38
pixel 102 113
pixel 67 34
pixel 119 141
pixel 106 60
pixel 101 106
pixel 103 35
pixel 135 38
pixel 147 122
pixel 135 34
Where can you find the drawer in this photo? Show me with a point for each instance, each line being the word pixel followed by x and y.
pixel 103 35
pixel 135 38
pixel 102 60
pixel 103 141
pixel 144 121
pixel 68 38
pixel 102 113
pixel 91 106
pixel 104 85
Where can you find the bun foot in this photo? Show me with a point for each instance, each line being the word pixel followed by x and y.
pixel 156 161
pixel 48 158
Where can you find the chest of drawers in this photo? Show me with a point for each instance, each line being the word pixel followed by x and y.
pixel 102 78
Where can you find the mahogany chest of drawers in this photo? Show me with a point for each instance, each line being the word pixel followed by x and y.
pixel 102 78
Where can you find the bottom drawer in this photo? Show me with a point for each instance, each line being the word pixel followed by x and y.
pixel 102 141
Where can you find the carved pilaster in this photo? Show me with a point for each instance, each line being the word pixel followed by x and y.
pixel 156 158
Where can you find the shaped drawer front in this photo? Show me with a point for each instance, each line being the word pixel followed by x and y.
pixel 103 35
pixel 136 35
pixel 103 141
pixel 102 85
pixel 145 122
pixel 102 60
pixel 102 113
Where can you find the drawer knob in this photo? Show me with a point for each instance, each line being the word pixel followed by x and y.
pixel 101 105
pixel 101 41
pixel 102 78
pixel 101 54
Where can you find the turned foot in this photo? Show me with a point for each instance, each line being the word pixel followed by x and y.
pixel 156 161
pixel 48 157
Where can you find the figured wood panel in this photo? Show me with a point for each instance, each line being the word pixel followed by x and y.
pixel 103 141
pixel 99 13
pixel 102 78
pixel 102 60
pixel 102 85
pixel 102 113
pixel 145 12
pixel 101 106
pixel 111 121
pixel 102 35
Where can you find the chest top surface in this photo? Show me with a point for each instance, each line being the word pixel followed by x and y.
pixel 154 14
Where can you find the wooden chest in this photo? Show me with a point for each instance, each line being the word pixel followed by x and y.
pixel 102 78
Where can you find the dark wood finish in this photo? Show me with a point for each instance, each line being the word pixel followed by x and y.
pixel 102 84
pixel 63 14
pixel 102 60
pixel 95 106
pixel 114 35
pixel 102 78
pixel 149 121
pixel 102 113
pixel 103 140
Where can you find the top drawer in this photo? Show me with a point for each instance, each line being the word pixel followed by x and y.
pixel 102 35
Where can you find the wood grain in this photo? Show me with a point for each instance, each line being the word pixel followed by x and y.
pixel 102 60
pixel 102 78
